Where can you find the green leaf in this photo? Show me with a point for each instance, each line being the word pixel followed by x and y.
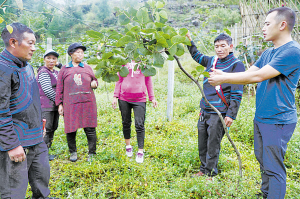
pixel 171 58
pixel 136 54
pixel 200 68
pixel 151 3
pixel 157 17
pixel 183 31
pixel 123 19
pixel 118 60
pixel 143 51
pixel 107 55
pixel 187 42
pixel 116 51
pixel 136 29
pixel 93 60
pixel 173 50
pixel 129 48
pixel 205 74
pixel 131 34
pixel 180 50
pixel 129 26
pixel 154 41
pixel 142 15
pixel 124 72
pixel 159 4
pixel 148 30
pixel 213 31
pixel 98 73
pixel 159 25
pixel 124 40
pixel 150 25
pixel 194 73
pixel 132 11
pixel 158 59
pixel 178 39
pixel 113 77
pixel 227 31
pixel 169 30
pixel 159 47
pixel 101 64
pixel 111 32
pixel 163 14
pixel 149 71
pixel 116 36
pixel 1 19
pixel 94 34
pixel 161 40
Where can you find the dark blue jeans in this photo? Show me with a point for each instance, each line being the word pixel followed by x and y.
pixel 270 144
pixel 139 109
pixel 14 176
pixel 210 134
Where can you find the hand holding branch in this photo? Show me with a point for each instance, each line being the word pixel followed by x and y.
pixel 188 35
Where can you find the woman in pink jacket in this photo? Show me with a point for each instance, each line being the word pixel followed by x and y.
pixel 130 92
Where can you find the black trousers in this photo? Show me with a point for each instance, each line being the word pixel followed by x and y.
pixel 14 176
pixel 91 138
pixel 210 134
pixel 52 118
pixel 139 109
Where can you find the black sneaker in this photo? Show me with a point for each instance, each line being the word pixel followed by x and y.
pixel 261 195
pixel 52 157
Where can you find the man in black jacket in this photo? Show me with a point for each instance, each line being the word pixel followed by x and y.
pixel 23 153
pixel 226 98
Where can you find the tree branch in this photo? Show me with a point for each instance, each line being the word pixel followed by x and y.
pixel 113 46
pixel 217 111
pixel 3 3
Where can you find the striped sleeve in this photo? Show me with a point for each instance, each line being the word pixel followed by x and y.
pixel 8 136
pixel 198 56
pixel 45 81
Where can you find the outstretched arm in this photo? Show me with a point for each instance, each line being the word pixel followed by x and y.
pixel 253 75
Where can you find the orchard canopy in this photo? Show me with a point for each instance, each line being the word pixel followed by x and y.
pixel 145 39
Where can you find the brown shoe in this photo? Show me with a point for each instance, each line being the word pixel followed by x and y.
pixel 198 174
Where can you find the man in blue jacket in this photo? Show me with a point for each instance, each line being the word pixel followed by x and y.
pixel 23 154
pixel 277 71
pixel 226 98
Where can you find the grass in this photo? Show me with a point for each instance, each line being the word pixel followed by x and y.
pixel 171 153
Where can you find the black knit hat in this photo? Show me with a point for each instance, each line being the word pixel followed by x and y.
pixel 74 46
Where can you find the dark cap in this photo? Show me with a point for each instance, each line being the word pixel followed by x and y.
pixel 74 46
pixel 51 52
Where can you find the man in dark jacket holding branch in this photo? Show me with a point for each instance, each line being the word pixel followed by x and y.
pixel 225 97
